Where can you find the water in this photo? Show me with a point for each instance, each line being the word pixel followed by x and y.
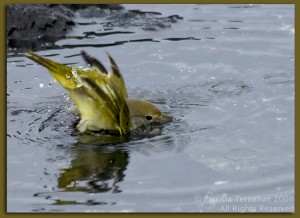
pixel 225 72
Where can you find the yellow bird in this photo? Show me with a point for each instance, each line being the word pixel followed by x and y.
pixel 101 96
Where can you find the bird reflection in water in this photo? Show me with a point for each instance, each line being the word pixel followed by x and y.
pixel 94 170
pixel 100 161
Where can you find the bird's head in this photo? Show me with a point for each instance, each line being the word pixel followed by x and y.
pixel 143 113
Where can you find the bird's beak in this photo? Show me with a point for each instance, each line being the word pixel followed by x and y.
pixel 165 118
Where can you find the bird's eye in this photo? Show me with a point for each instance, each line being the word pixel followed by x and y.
pixel 148 118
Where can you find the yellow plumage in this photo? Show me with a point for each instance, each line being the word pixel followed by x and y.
pixel 101 96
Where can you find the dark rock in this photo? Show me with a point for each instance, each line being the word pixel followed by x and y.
pixel 39 26
pixel 147 20
pixel 31 26
pixel 76 7
pixel 94 11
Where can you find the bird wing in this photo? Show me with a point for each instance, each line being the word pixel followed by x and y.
pixel 99 95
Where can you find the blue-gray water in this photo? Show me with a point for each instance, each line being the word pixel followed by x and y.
pixel 225 72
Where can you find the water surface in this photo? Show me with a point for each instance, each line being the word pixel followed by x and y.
pixel 225 72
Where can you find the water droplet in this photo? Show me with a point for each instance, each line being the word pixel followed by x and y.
pixel 76 76
pixel 41 85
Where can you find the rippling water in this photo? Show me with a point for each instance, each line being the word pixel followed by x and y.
pixel 225 72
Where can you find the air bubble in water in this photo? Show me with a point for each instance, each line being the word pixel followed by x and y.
pixel 50 84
